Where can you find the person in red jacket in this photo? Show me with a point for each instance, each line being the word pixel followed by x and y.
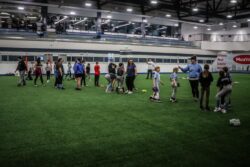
pixel 97 73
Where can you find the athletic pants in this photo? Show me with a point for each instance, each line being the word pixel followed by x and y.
pixel 194 86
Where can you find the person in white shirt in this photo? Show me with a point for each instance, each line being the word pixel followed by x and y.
pixel 156 85
pixel 151 66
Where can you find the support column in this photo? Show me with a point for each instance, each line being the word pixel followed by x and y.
pixel 99 25
pixel 143 29
pixel 44 14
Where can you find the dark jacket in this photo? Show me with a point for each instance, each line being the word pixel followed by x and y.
pixel 206 81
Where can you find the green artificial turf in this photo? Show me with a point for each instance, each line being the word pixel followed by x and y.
pixel 42 126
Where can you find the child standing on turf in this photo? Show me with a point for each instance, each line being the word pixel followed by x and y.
pixel 224 90
pixel 120 78
pixel 205 80
pixel 97 73
pixel 48 71
pixel 174 84
pixel 88 72
pixel 21 68
pixel 68 71
pixel 38 71
pixel 156 88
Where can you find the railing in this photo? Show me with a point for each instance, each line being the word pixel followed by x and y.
pixel 90 35
pixel 220 37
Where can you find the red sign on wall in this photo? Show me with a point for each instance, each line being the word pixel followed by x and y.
pixel 242 59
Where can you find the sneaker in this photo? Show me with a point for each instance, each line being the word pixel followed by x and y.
pixel 224 111
pixel 78 89
pixel 126 91
pixel 217 109
pixel 129 92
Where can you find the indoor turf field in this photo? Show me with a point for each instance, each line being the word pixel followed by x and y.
pixel 42 126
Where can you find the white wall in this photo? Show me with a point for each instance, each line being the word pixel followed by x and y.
pixel 99 46
pixel 225 46
pixel 9 67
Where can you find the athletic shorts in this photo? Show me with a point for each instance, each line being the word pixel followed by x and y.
pixel 78 75
pixel 112 76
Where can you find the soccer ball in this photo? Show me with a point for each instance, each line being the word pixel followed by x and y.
pixel 234 122
pixel 144 91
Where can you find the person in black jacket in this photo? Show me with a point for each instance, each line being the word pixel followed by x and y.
pixel 224 90
pixel 21 68
pixel 205 80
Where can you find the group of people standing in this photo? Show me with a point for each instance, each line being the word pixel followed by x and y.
pixel 196 77
pixel 118 75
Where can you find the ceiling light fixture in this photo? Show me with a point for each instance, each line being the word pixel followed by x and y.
pixel 195 27
pixel 72 13
pixel 20 8
pixel 168 15
pixel 233 1
pixel 229 16
pixel 87 4
pixel 195 9
pixel 129 10
pixel 154 2
pixel 109 16
pixel 221 24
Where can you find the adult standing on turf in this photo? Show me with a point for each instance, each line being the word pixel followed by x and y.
pixel 151 66
pixel 21 68
pixel 59 69
pixel 194 70
pixel 97 73
pixel 78 71
pixel 83 74
pixel 38 71
pixel 131 74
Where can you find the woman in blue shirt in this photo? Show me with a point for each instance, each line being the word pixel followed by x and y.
pixel 78 70
pixel 194 70
pixel 131 73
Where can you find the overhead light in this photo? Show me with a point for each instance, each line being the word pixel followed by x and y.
pixel 144 20
pixel 234 26
pixel 201 21
pixel 248 20
pixel 32 17
pixel 154 2
pixel 88 4
pixel 72 13
pixel 233 1
pixel 129 10
pixel 168 15
pixel 195 9
pixel 176 25
pixel 229 16
pixel 221 24
pixel 195 27
pixel 209 29
pixel 20 8
pixel 4 13
pixel 109 16
pixel 65 16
